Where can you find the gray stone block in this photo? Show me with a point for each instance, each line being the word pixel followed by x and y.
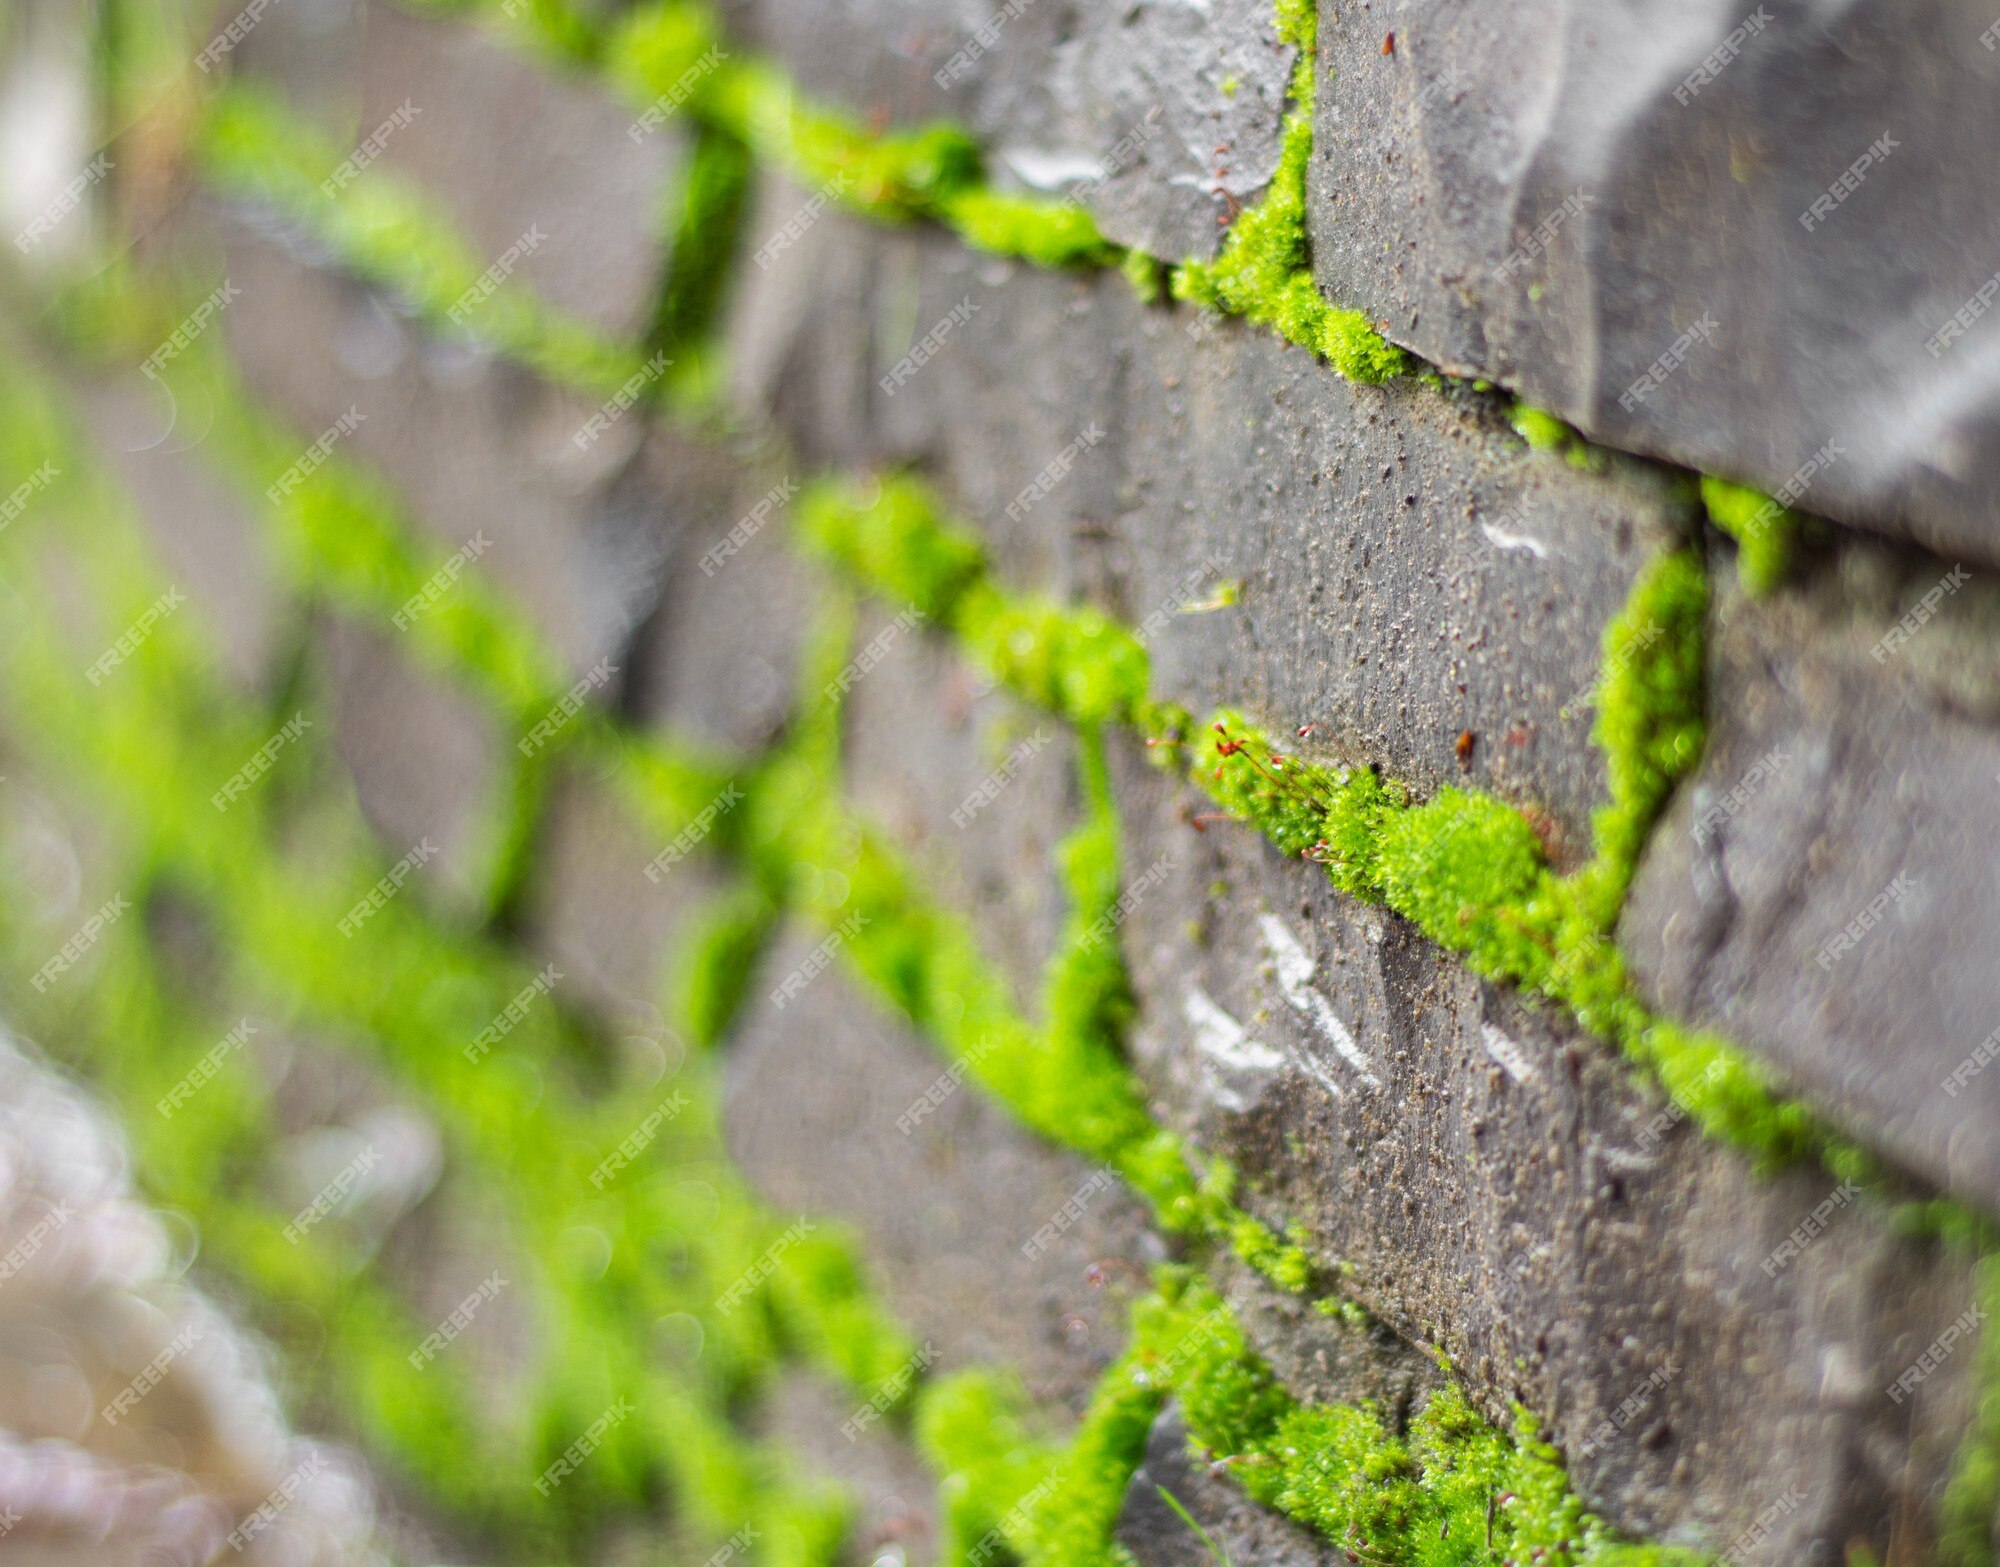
pixel 975 791
pixel 594 912
pixel 1161 117
pixel 1823 889
pixel 1553 196
pixel 428 763
pixel 949 1208
pixel 506 144
pixel 718 659
pixel 1495 1185
pixel 1408 569
pixel 479 451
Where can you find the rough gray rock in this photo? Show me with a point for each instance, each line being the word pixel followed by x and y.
pixel 1548 195
pixel 718 659
pixel 479 450
pixel 973 789
pixel 1408 569
pixel 947 1209
pixel 506 146
pixel 610 929
pixel 1822 890
pixel 1495 1185
pixel 1161 116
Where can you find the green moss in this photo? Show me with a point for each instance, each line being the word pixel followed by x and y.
pixel 1047 233
pixel 892 537
pixel 1540 429
pixel 1766 533
pixel 1264 272
pixel 1452 1491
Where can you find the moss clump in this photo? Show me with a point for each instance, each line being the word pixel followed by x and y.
pixel 894 537
pixel 1264 272
pixel 1047 233
pixel 1766 533
pixel 1651 719
pixel 1450 1491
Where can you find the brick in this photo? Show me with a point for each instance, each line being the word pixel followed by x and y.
pixel 1162 119
pixel 1769 904
pixel 1437 163
pixel 814 1094
pixel 1409 570
pixel 1506 1191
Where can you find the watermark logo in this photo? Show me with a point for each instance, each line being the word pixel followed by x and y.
pixel 1067 1216
pixel 794 228
pixel 64 204
pixel 134 636
pixel 273 1505
pixel 552 723
pixel 686 840
pixel 440 582
pixel 683 88
pixel 1543 234
pixel 1809 1229
pixel 457 1322
pixel 315 454
pixel 260 762
pixel 749 525
pixel 511 1014
pixel 150 1377
pixel 926 347
pixel 225 42
pixel 18 498
pixel 391 883
pixel 1718 58
pixel 817 961
pixel 876 650
pixel 765 1265
pixel 989 788
pixel 1921 614
pixel 582 1447
pixel 490 280
pixel 1829 201
pixel 203 1070
pixel 1056 470
pixel 331 1195
pixel 195 323
pixel 640 1138
pixel 87 934
pixel 983 38
pixel 615 407
pixel 370 149
pixel 1656 374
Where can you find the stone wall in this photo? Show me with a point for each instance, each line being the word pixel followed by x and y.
pixel 1693 1226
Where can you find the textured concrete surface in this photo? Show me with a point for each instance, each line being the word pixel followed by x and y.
pixel 1824 890
pixel 1552 195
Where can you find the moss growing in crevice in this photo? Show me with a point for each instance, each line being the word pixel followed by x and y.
pixel 1448 1490
pixel 1766 533
pixel 1264 272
